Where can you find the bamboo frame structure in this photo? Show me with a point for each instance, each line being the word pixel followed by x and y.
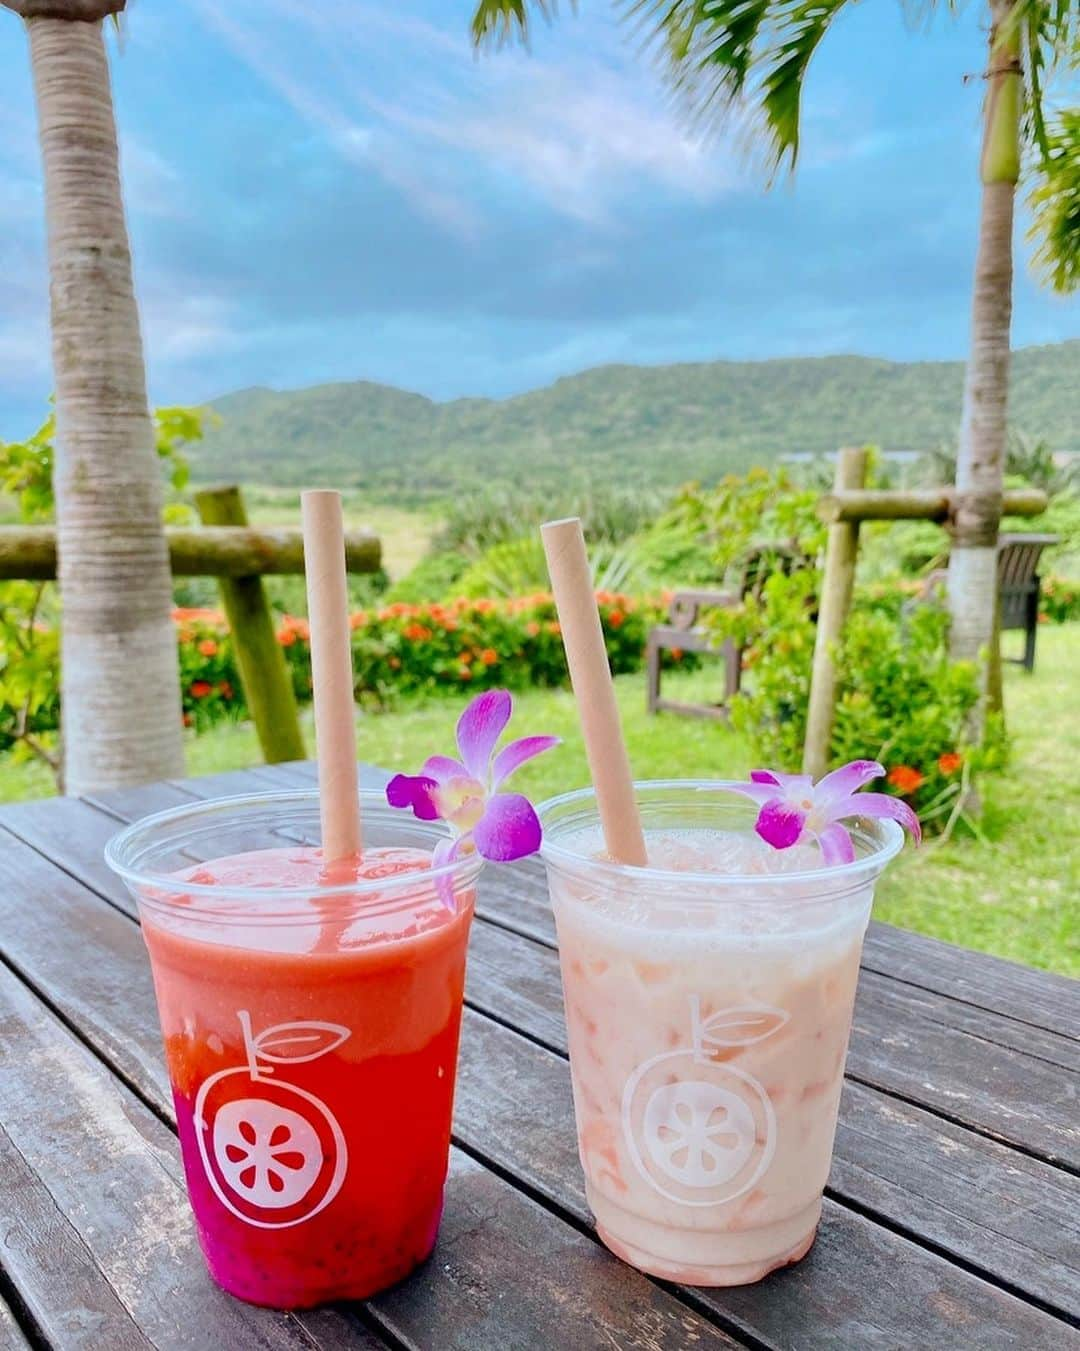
pixel 845 508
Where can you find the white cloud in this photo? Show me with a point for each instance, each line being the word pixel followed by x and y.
pixel 581 128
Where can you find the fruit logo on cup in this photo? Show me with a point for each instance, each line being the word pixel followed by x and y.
pixel 700 1130
pixel 273 1152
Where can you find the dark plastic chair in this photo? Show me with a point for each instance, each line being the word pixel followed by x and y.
pixel 1019 587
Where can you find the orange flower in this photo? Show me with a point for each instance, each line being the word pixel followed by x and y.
pixel 395 663
pixel 208 648
pixel 489 656
pixel 676 654
pixel 464 673
pixel 188 719
pixel 905 779
pixel 199 689
pixel 554 627
pixel 605 598
pixel 950 762
pixel 358 620
pixel 416 633
pixel 465 656
pixel 285 636
pixel 616 619
pixel 532 628
pixel 225 690
pixel 449 624
pixel 198 614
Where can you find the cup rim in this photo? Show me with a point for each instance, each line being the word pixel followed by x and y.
pixel 887 835
pixel 118 850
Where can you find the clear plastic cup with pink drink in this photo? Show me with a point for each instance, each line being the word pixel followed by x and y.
pixel 708 1005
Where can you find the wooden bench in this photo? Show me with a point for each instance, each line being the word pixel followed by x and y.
pixel 683 633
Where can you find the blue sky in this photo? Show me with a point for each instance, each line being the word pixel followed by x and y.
pixel 338 189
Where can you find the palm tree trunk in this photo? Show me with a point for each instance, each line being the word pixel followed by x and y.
pixel 980 465
pixel 120 681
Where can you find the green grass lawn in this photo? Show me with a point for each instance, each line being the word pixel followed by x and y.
pixel 1016 893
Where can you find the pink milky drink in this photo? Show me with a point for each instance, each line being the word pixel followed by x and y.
pixel 708 1005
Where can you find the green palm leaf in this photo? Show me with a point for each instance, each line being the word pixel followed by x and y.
pixel 498 21
pixel 1055 203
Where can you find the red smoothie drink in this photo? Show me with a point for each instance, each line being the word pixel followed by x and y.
pixel 310 1019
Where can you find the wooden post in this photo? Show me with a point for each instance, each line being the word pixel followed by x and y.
pixel 263 673
pixel 836 588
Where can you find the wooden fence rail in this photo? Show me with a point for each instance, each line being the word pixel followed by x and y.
pixel 933 504
pixel 239 557
pixel 28 552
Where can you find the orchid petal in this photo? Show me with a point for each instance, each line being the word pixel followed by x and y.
pixel 780 824
pixel 789 785
pixel 836 846
pixel 415 792
pixel 512 757
pixel 877 804
pixel 846 780
pixel 756 792
pixel 446 851
pixel 509 829
pixel 479 727
pixel 442 768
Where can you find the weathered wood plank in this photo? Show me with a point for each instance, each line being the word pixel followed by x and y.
pixel 97 1240
pixel 11 1335
pixel 862 1285
pixel 1013 1217
pixel 72 834
pixel 128 804
pixel 1038 997
pixel 508 1273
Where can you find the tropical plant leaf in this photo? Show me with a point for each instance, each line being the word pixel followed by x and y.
pixel 742 57
pixel 1055 204
pixel 499 21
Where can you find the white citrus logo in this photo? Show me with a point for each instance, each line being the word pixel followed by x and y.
pixel 705 1138
pixel 276 1157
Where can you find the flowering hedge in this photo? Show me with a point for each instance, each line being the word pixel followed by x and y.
pixel 408 649
pixel 1060 600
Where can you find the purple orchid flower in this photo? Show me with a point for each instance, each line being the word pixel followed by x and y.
pixel 795 809
pixel 466 793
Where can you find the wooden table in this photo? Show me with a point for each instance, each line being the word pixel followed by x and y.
pixel 952 1217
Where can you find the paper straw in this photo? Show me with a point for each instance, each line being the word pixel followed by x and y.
pixel 590 675
pixel 332 674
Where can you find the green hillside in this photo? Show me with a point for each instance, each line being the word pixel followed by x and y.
pixel 657 425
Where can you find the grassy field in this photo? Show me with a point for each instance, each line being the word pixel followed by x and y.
pixel 1014 893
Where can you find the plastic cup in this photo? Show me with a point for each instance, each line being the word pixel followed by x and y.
pixel 311 1036
pixel 708 1015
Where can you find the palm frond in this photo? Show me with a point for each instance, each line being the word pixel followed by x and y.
pixel 1047 34
pixel 499 21
pixel 743 56
pixel 1055 203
